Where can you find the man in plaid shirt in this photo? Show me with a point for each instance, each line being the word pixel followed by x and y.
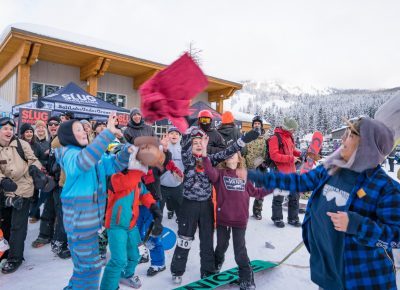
pixel 352 220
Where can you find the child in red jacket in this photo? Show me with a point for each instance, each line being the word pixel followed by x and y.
pixel 232 214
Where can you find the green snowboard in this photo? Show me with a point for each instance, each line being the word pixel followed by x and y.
pixel 225 277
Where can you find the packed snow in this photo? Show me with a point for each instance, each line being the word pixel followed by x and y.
pixel 43 271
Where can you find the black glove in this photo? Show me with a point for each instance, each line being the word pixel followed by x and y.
pixel 38 177
pixel 15 202
pixel 157 216
pixel 250 136
pixel 8 185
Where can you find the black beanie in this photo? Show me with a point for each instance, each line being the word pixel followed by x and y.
pixel 66 135
pixel 54 118
pixel 25 127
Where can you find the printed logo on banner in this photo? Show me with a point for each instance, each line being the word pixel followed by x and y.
pixel 30 116
pixel 233 183
pixel 81 109
pixel 123 118
pixel 81 99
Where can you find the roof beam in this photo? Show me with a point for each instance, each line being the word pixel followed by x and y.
pixel 19 57
pixel 104 67
pixel 91 69
pixel 34 54
pixel 215 96
pixel 140 79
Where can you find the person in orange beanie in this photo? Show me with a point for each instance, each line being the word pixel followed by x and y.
pixel 228 129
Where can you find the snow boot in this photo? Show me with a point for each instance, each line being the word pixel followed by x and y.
pixel 11 266
pixel 154 270
pixel 40 242
pixel 170 214
pixel 133 282
pixel 295 223
pixel 177 280
pixel 279 223
pixel 144 258
pixel 247 285
pixel 257 215
pixel 64 253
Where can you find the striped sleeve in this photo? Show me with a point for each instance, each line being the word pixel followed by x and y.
pixel 224 154
pixel 292 182
pixel 114 163
pixel 90 155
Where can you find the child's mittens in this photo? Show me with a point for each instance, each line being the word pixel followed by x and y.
pixel 280 192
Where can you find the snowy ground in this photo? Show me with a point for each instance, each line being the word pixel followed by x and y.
pixel 43 271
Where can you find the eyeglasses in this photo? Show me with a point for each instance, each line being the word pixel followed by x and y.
pixel 53 124
pixel 7 120
pixel 205 120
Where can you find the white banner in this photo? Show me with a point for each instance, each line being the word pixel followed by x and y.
pixel 81 109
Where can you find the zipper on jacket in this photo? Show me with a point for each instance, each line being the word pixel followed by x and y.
pixel 118 214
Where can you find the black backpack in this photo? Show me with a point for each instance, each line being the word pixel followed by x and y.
pixel 269 163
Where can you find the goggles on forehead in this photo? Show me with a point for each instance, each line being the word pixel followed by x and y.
pixel 197 133
pixel 205 120
pixel 7 120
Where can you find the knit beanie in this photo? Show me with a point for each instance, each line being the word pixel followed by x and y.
pixel 25 127
pixel 135 111
pixel 227 118
pixel 66 135
pixel 289 124
pixel 54 118
pixel 173 129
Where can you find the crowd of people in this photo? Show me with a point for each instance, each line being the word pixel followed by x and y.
pixel 94 186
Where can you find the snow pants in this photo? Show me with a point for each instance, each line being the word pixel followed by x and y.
pixel 293 207
pixel 239 248
pixel 195 214
pixel 157 254
pixel 124 256
pixel 172 197
pixel 15 226
pixel 82 220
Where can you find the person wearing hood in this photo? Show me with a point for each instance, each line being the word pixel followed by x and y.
pixel 136 127
pixel 285 156
pixel 83 196
pixel 352 218
pixel 228 130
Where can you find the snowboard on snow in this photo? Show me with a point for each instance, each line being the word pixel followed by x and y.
pixel 231 276
pixel 226 277
pixel 168 238
pixel 313 149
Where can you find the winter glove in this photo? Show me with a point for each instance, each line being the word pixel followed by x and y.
pixel 8 185
pixel 173 168
pixel 38 177
pixel 248 137
pixel 15 202
pixel 157 216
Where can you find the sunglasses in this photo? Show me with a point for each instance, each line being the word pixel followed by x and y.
pixel 53 124
pixel 7 120
pixel 205 120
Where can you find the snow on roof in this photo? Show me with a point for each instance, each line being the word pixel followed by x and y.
pixel 244 117
pixel 67 36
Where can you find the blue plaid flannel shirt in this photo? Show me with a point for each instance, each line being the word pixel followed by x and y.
pixel 374 222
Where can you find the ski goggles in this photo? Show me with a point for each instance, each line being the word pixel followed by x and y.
pixel 205 120
pixel 197 133
pixel 7 120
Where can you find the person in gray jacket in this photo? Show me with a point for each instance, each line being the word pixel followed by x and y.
pixel 136 127
pixel 171 184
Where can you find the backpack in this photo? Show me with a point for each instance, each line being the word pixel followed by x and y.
pixel 269 163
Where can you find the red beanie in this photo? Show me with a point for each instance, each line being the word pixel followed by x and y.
pixel 227 118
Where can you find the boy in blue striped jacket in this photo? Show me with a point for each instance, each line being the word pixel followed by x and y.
pixel 84 194
pixel 352 220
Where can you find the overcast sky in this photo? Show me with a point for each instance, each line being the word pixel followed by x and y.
pixel 336 43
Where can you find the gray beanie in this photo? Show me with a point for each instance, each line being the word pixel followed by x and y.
pixel 135 111
pixel 289 124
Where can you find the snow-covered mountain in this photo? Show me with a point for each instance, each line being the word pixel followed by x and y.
pixel 315 108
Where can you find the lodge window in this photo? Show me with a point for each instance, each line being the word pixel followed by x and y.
pixel 115 99
pixel 160 130
pixel 42 90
